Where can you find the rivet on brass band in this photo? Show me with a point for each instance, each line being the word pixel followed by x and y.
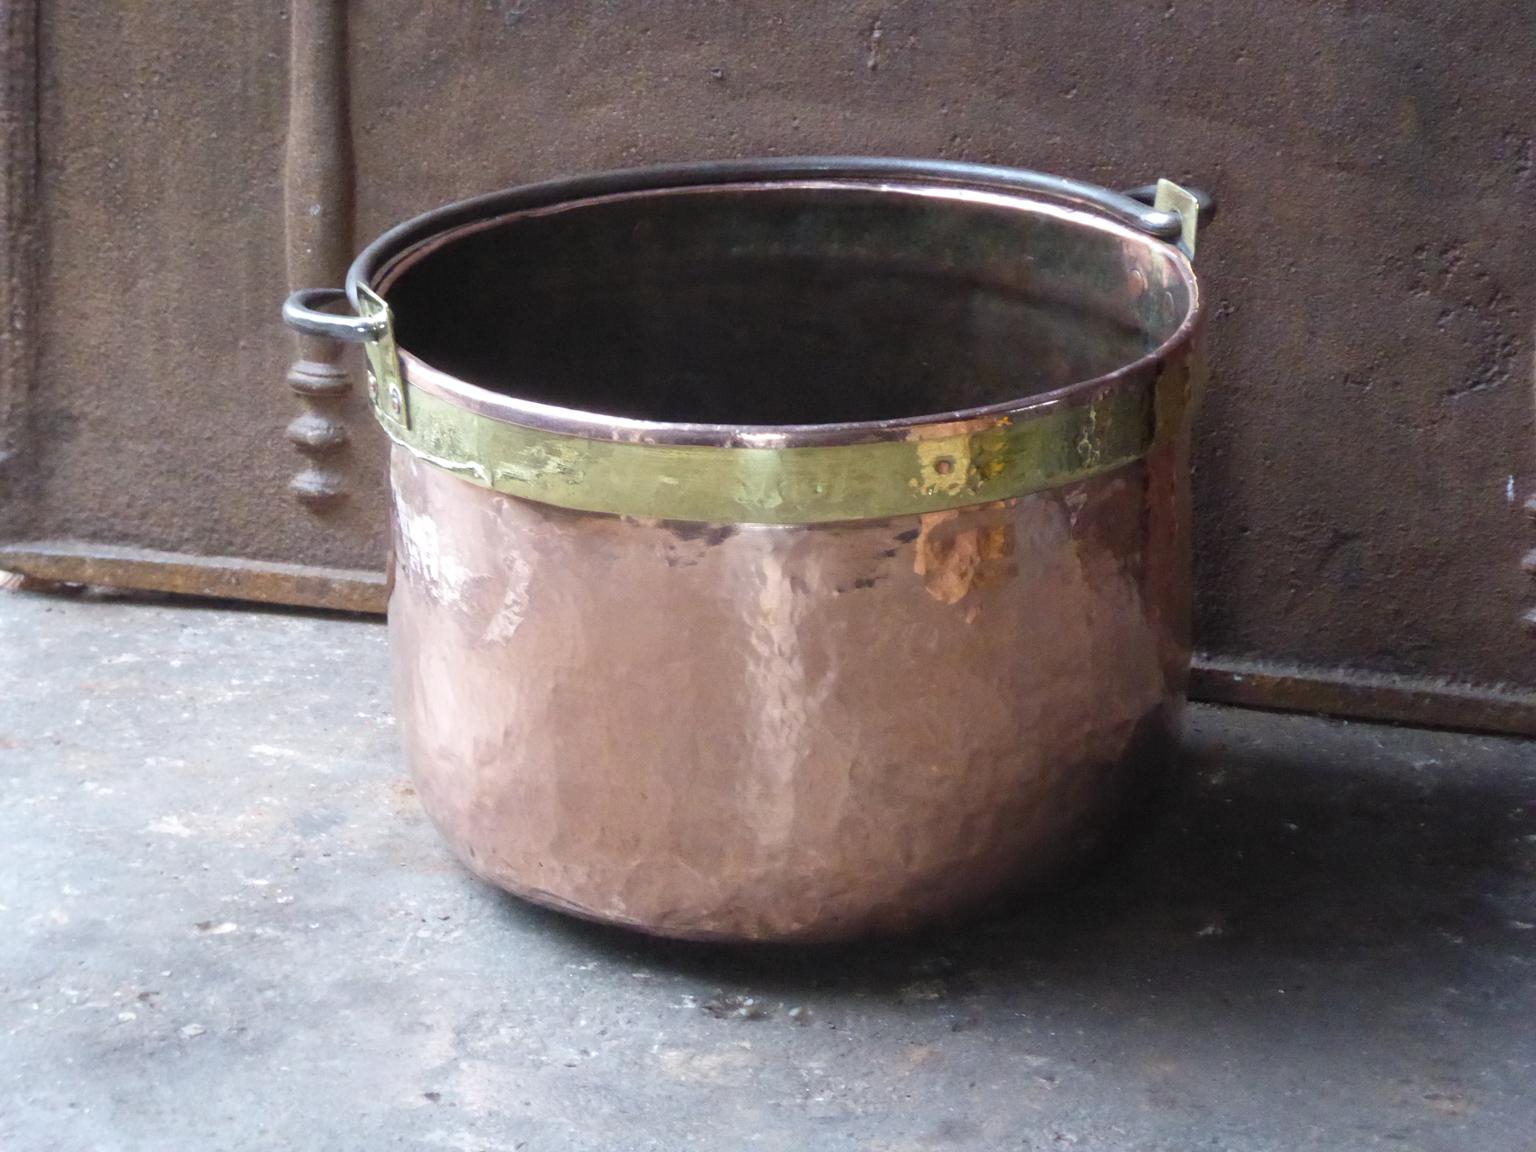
pixel 799 485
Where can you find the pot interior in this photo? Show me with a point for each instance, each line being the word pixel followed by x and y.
pixel 788 304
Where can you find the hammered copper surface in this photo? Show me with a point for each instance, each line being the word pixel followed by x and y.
pixel 783 732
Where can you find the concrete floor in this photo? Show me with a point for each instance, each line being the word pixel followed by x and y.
pixel 224 923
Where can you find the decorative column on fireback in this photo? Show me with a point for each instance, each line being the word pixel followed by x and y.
pixel 318 218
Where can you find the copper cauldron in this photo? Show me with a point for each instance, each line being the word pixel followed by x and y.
pixel 793 549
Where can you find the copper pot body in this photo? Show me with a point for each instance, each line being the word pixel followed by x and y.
pixel 783 732
pixel 751 724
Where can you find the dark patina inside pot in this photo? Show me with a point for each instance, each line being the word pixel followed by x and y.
pixel 789 306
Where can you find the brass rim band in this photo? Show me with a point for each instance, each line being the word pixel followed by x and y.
pixel 929 472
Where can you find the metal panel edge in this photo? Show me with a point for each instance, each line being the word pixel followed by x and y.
pixel 1361 695
pixel 222 577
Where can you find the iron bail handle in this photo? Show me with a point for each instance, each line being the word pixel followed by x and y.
pixel 1148 209
pixel 1163 210
pixel 305 311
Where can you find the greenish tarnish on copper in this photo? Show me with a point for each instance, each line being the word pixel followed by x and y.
pixel 798 485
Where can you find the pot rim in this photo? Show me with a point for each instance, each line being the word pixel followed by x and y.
pixel 382 261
